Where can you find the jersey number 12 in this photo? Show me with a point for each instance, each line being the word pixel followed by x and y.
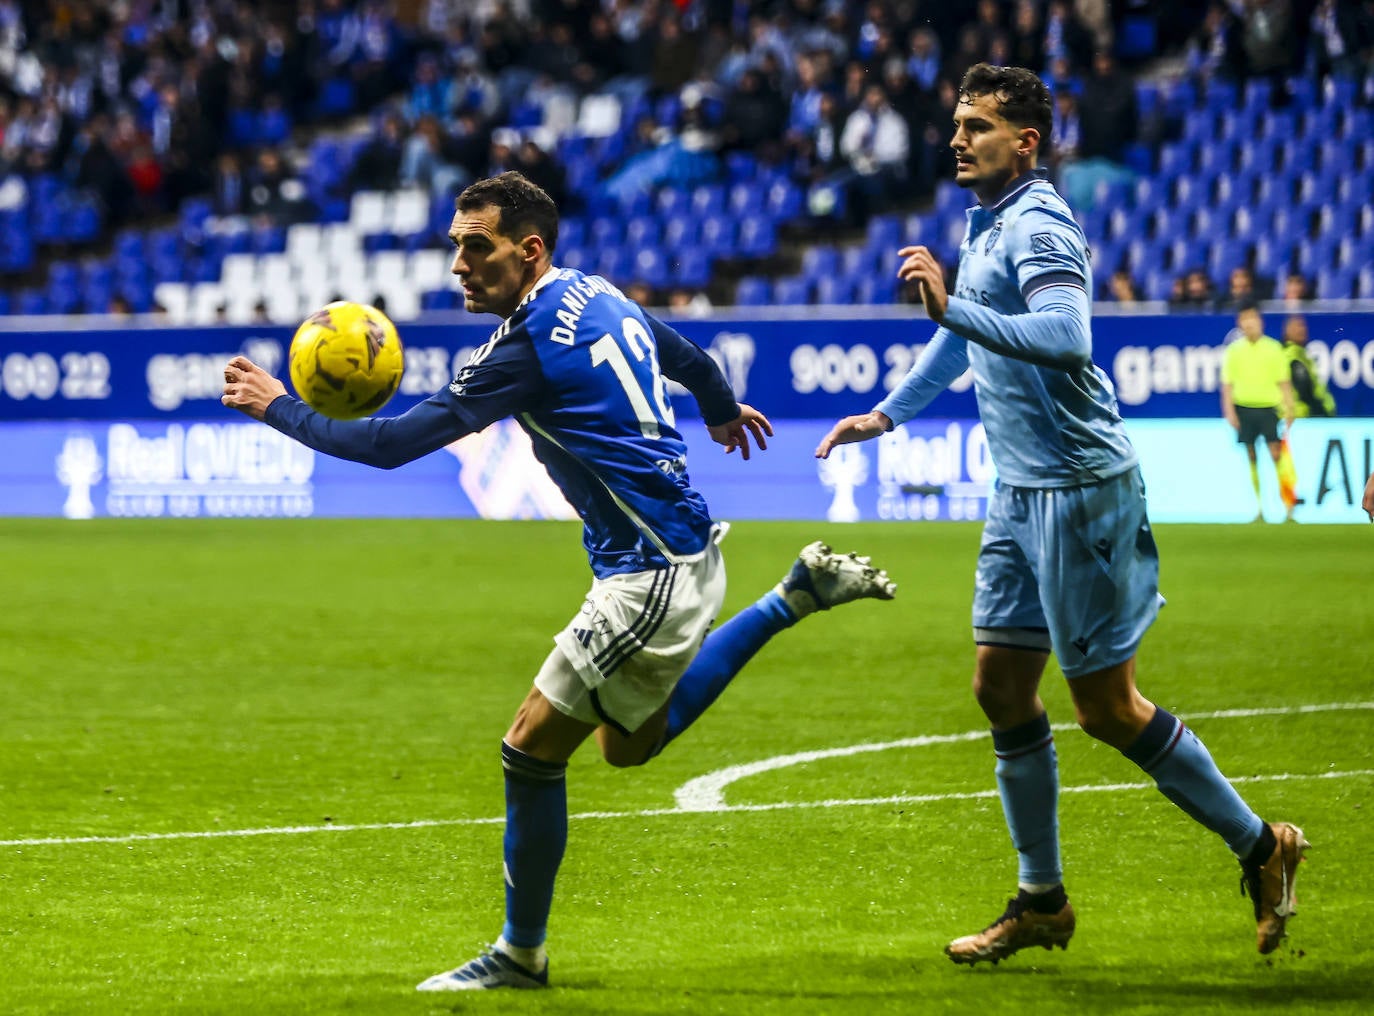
pixel 607 350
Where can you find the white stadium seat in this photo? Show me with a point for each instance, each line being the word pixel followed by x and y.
pixel 368 213
pixel 409 212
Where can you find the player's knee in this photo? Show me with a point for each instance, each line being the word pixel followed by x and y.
pixel 622 758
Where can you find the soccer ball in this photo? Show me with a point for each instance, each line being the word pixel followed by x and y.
pixel 346 360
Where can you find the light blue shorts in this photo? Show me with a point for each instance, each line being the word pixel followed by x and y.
pixel 1075 567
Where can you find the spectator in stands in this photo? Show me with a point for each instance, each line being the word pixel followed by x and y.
pixel 686 303
pixel 755 115
pixel 429 92
pixel 969 51
pixel 378 164
pixel 1108 110
pixel 1066 38
pixel 1312 396
pixel 1266 40
pixel 1241 291
pixel 1213 51
pixel 533 159
pixel 675 56
pixel 1121 288
pixel 1027 36
pixel 1295 291
pixel 1336 39
pixel 1061 77
pixel 275 194
pixel 876 145
pixel 1067 133
pixel 471 87
pixel 99 172
pixel 602 57
pixel 1193 293
pixel 425 163
pixel 923 58
pixel 229 194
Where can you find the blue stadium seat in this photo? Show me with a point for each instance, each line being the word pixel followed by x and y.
pixel 1335 284
pixel 31 301
pixel 792 291
pixel 746 197
pixel 858 261
pixel 1258 93
pixel 786 201
pixel 572 231
pixel 820 261
pixel 680 232
pixel 1221 94
pixel 1271 256
pixel 708 199
pixel 616 264
pixel 1157 285
pixel 643 231
pixel 1364 283
pixel 83 220
pixel 885 231
pixel 1175 159
pixel 438 299
pixel 832 289
pixel 717 234
pixel 336 98
pixel 672 201
pixel 1225 255
pixel 635 202
pixel 691 268
pixel 605 231
pixel 876 289
pixel 268 239
pixel 741 166
pixel 752 291
pixel 649 265
pixel 4 303
pixel 578 258
pixel 757 237
pixel 46 223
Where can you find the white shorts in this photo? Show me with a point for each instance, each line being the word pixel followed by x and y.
pixel 618 660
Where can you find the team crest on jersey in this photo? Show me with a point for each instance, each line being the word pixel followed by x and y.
pixel 1043 243
pixel 992 237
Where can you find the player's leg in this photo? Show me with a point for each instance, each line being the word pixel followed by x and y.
pixel 1105 595
pixel 1247 434
pixel 694 668
pixel 818 580
pixel 534 755
pixel 1013 647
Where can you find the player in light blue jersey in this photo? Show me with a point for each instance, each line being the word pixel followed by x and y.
pixel 1067 562
pixel 582 369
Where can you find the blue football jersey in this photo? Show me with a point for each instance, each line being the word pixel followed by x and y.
pixel 1049 412
pixel 581 368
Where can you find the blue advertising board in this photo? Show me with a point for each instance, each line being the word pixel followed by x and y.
pixel 925 470
pixel 792 367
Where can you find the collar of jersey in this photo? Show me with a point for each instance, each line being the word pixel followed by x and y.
pixel 1015 187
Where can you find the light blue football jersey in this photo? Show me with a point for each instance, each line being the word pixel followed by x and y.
pixel 1050 413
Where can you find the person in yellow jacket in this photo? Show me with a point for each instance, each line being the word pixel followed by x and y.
pixel 1254 385
pixel 1310 392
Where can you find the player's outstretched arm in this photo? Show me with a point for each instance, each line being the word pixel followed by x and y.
pixel 248 388
pixel 854 428
pixel 1368 503
pixel 736 433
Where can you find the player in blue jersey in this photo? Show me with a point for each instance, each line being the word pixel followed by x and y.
pixel 582 369
pixel 1067 562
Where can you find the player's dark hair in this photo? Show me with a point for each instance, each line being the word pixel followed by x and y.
pixel 1021 96
pixel 525 207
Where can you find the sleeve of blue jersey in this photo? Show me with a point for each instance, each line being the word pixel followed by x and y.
pixel 1050 261
pixel 685 362
pixel 940 363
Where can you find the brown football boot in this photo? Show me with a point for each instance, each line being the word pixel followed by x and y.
pixel 1270 885
pixel 1018 928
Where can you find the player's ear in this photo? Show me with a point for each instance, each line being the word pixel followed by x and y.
pixel 533 247
pixel 1030 141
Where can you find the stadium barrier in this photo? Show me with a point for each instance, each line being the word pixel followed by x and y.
pixel 120 421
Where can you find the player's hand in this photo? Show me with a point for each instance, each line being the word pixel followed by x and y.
pixel 853 428
pixel 735 434
pixel 248 388
pixel 922 267
pixel 1234 421
pixel 1368 503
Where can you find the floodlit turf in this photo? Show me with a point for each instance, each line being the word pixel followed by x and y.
pixel 215 677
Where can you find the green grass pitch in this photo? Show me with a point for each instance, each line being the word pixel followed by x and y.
pixel 225 677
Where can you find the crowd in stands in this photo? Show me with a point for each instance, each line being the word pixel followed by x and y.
pixel 129 110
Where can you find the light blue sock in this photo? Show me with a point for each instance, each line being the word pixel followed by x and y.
pixel 1184 771
pixel 1028 782
pixel 536 833
pixel 722 656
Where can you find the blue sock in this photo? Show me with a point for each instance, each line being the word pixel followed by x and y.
pixel 536 833
pixel 1028 782
pixel 1182 767
pixel 722 656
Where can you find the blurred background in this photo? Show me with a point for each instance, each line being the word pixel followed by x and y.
pixel 181 180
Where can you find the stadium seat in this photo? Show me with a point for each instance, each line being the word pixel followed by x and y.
pixel 741 166
pixel 757 237
pixel 707 199
pixel 32 301
pixel 885 231
pixel 650 266
pixel 876 289
pixel 672 201
pixel 785 201
pixel 717 235
pixel 691 268
pixel 642 231
pixel 745 198
pixel 831 289
pixel 792 291
pixel 577 258
pixel 820 261
pixel 752 291
pixel 438 299
pixel 429 269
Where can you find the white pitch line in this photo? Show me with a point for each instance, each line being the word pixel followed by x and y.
pixel 723 808
pixel 707 793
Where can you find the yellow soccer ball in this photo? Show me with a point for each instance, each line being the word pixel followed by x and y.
pixel 346 360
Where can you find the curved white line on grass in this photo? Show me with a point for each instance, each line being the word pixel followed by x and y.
pixel 707 793
pixel 764 765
